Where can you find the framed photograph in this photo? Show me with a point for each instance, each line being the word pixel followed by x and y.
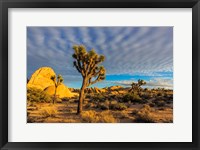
pixel 99 75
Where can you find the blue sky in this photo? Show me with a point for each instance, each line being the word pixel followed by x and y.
pixel 132 53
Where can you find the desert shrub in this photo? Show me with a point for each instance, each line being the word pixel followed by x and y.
pixel 117 106
pixel 69 110
pixel 58 100
pixel 107 117
pixel 169 101
pixel 133 97
pixel 146 96
pixel 31 104
pixel 89 95
pixel 113 96
pixel 127 97
pixel 121 106
pixel 49 111
pixel 89 105
pixel 160 103
pixel 94 117
pixel 65 99
pixel 162 108
pixel 98 97
pixel 152 105
pixel 75 96
pixel 121 115
pixel 134 112
pixel 129 104
pixel 30 120
pixel 103 105
pixel 145 115
pixel 36 95
pixel 159 94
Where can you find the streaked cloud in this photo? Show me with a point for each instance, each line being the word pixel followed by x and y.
pixel 128 50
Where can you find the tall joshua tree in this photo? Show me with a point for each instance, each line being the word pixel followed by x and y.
pixel 137 86
pixel 57 82
pixel 87 63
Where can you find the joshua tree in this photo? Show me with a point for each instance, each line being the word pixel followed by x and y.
pixel 87 63
pixel 137 86
pixel 56 83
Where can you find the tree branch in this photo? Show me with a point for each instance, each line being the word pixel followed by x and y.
pixel 95 81
pixel 77 67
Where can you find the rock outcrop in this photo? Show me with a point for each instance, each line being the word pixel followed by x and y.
pixel 61 92
pixel 41 79
pixel 94 90
pixel 117 87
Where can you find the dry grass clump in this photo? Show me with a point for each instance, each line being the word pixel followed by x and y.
pixel 95 117
pixel 121 114
pixel 49 111
pixel 145 115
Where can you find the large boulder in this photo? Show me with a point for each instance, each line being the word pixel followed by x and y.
pixel 61 92
pixel 41 78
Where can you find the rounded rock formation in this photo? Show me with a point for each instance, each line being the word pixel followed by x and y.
pixel 61 92
pixel 41 78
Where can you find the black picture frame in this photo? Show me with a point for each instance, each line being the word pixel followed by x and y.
pixel 6 4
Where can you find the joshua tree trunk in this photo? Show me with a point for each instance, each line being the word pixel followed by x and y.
pixel 81 97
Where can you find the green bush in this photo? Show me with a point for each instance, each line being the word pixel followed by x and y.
pixel 58 100
pixel 133 97
pixel 36 95
pixel 117 106
pixel 103 106
pixel 89 105
pixel 152 105
pixel 98 97
pixel 160 103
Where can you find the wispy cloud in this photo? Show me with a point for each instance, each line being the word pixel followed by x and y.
pixel 128 50
pixel 162 83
